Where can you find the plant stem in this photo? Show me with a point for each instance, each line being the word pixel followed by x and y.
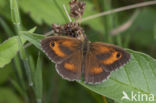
pixel 118 36
pixel 108 20
pixel 138 5
pixel 16 21
pixel 38 88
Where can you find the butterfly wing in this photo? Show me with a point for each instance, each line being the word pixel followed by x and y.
pixel 58 48
pixel 66 53
pixel 70 68
pixel 101 59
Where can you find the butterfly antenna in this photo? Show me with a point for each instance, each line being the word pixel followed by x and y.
pixel 65 9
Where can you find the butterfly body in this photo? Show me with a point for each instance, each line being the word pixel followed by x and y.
pixel 75 58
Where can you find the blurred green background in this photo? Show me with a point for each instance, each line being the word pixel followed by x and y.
pixel 139 36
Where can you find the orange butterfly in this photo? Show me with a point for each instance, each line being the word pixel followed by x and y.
pixel 75 58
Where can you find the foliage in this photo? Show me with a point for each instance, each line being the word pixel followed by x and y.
pixel 27 76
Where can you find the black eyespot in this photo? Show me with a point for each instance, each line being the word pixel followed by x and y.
pixel 118 55
pixel 52 44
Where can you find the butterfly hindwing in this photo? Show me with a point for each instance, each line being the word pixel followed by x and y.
pixel 94 72
pixel 70 68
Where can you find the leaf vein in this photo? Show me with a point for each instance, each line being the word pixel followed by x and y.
pixel 143 73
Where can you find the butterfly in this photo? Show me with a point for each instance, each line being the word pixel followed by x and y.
pixel 81 59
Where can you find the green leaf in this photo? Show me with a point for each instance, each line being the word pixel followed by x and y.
pixel 32 64
pixel 138 76
pixel 33 29
pixel 8 50
pixel 154 34
pixel 5 73
pixel 33 38
pixel 48 11
pixel 52 11
pixel 5 9
pixel 143 27
pixel 6 27
pixel 90 10
pixel 8 96
pixel 18 88
pixel 38 80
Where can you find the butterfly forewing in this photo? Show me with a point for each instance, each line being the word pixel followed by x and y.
pixel 58 48
pixel 66 53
